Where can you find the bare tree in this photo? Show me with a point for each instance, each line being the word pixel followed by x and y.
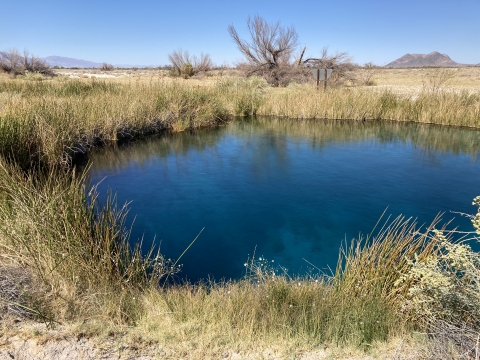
pixel 34 64
pixel 12 62
pixel 186 65
pixel 204 63
pixel 269 51
pixel 178 59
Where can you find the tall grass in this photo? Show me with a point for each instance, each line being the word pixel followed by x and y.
pixel 52 121
pixel 446 108
pixel 274 310
pixel 76 248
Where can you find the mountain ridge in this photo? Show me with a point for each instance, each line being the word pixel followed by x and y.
pixel 433 59
pixel 424 60
pixel 68 62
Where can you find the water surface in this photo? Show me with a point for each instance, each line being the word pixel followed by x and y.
pixel 289 190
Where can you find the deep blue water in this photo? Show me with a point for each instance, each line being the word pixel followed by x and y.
pixel 288 190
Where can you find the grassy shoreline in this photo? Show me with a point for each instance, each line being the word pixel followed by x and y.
pixel 54 120
pixel 87 272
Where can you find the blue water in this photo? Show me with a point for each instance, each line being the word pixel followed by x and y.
pixel 287 190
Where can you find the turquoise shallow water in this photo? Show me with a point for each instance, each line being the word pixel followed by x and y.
pixel 288 190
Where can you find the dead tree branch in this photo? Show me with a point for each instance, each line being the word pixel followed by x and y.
pixel 269 50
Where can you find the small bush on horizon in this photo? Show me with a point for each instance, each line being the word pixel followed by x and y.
pixel 185 65
pixel 107 67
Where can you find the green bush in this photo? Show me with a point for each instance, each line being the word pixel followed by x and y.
pixel 187 71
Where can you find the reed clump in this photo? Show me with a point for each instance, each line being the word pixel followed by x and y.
pixel 76 249
pixel 52 121
pixel 438 107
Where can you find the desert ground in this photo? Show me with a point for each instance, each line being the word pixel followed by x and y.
pixel 404 81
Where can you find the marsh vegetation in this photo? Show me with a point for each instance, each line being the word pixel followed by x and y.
pixel 76 250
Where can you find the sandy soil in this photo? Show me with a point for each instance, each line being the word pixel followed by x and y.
pixel 34 341
pixel 408 82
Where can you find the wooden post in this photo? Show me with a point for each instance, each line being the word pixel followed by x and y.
pixel 325 81
pixel 318 77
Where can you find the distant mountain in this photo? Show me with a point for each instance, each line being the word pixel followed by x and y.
pixel 83 64
pixel 424 60
pixel 130 66
pixel 70 63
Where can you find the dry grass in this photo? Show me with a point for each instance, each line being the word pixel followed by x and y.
pixel 75 250
pixel 145 75
pixel 133 343
pixel 54 120
pixel 398 80
pixel 411 82
pixel 465 77
pixel 442 107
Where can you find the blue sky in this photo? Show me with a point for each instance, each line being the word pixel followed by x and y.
pixel 144 32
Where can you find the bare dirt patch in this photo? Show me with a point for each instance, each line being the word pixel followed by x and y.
pixel 34 341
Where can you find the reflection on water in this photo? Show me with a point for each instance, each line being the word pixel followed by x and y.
pixel 429 139
pixel 289 189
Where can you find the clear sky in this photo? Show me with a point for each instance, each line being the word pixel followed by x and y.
pixel 144 32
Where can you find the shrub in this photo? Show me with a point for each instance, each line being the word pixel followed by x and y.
pixel 107 67
pixel 187 71
pixel 365 76
pixel 12 62
pixel 32 76
pixel 186 66
pixel 435 81
pixel 446 287
pixel 444 293
pixel 476 219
